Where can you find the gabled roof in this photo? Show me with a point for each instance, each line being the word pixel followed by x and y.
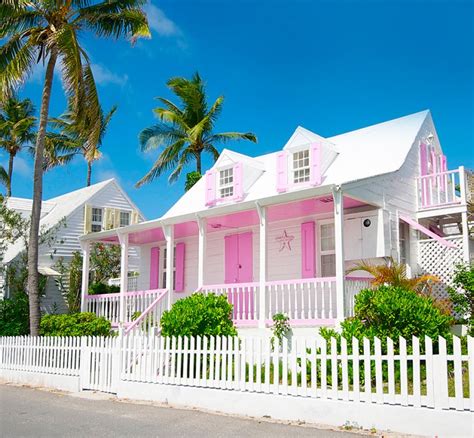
pixel 363 153
pixel 61 207
pixel 234 157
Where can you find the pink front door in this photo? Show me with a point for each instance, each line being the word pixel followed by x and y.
pixel 239 269
pixel 238 258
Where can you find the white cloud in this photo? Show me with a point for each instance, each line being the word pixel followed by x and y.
pixel 160 23
pixel 103 76
pixel 21 166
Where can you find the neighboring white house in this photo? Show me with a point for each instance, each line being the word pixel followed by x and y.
pixel 101 206
pixel 277 232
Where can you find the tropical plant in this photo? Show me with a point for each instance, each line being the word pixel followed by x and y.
pixel 185 130
pixel 199 315
pixel 191 179
pixel 17 130
pixel 75 324
pixel 45 31
pixel 393 311
pixel 462 294
pixel 4 177
pixel 395 274
pixel 74 138
pixel 14 315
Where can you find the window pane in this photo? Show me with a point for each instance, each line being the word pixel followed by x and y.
pixel 226 183
pixel 124 218
pixel 328 265
pixel 96 215
pixel 301 171
pixel 327 237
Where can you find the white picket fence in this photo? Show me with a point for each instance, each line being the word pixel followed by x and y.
pixel 418 373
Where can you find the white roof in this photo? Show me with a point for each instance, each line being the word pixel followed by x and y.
pixel 363 153
pixel 59 208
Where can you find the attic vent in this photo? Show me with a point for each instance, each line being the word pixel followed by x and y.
pixel 326 200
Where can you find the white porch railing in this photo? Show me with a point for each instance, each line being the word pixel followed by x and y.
pixel 243 296
pixel 108 305
pixel 439 189
pixel 353 285
pixel 305 301
pixel 132 283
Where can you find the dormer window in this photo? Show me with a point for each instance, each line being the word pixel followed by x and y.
pixel 226 182
pixel 301 166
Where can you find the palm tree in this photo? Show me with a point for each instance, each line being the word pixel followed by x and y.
pixel 74 138
pixel 395 274
pixel 47 31
pixel 4 177
pixel 17 123
pixel 185 131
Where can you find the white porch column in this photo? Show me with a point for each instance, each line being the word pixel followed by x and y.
pixel 465 237
pixel 123 238
pixel 201 250
pixel 262 214
pixel 86 249
pixel 339 249
pixel 168 231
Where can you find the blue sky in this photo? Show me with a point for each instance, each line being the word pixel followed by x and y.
pixel 330 66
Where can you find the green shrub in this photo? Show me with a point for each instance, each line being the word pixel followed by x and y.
pixel 281 326
pixel 14 315
pixel 463 296
pixel 199 315
pixel 393 312
pixel 102 288
pixel 75 324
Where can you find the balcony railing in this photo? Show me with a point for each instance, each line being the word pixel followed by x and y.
pixel 132 283
pixel 441 189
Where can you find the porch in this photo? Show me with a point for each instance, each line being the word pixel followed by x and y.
pixel 286 258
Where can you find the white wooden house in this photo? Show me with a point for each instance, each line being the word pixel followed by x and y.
pixel 277 232
pixel 64 219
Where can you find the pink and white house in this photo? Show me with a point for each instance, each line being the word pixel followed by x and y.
pixel 277 232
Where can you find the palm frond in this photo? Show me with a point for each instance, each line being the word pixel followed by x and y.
pixel 4 176
pixel 159 135
pixel 225 137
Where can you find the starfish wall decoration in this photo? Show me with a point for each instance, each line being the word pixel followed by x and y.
pixel 285 241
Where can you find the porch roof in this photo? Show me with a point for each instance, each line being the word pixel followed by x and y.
pixel 151 231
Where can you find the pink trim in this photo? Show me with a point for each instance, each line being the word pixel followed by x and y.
pixel 308 250
pixel 179 274
pixel 282 171
pixel 126 294
pixel 426 231
pixel 315 164
pixel 210 188
pixel 229 285
pixel 145 312
pixel 154 267
pixel 300 281
pixel 238 181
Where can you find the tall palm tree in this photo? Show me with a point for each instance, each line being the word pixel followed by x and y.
pixel 17 124
pixel 48 31
pixel 4 177
pixel 186 130
pixel 75 138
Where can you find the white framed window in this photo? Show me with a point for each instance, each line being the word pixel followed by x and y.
pixel 124 218
pixel 300 166
pixel 164 268
pixel 327 253
pixel 404 238
pixel 226 182
pixel 97 219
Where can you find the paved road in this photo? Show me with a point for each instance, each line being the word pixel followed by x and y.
pixel 27 412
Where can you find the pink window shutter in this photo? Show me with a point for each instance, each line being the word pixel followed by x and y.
pixel 282 171
pixel 308 269
pixel 210 188
pixel 154 267
pixel 423 160
pixel 443 166
pixel 315 163
pixel 179 274
pixel 238 181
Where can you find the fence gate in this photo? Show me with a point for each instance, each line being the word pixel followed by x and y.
pixel 100 359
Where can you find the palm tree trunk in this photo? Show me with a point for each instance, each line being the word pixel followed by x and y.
pixel 33 241
pixel 198 162
pixel 89 173
pixel 10 175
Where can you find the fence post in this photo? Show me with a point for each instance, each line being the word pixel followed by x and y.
pixel 84 363
pixel 440 377
pixel 116 363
